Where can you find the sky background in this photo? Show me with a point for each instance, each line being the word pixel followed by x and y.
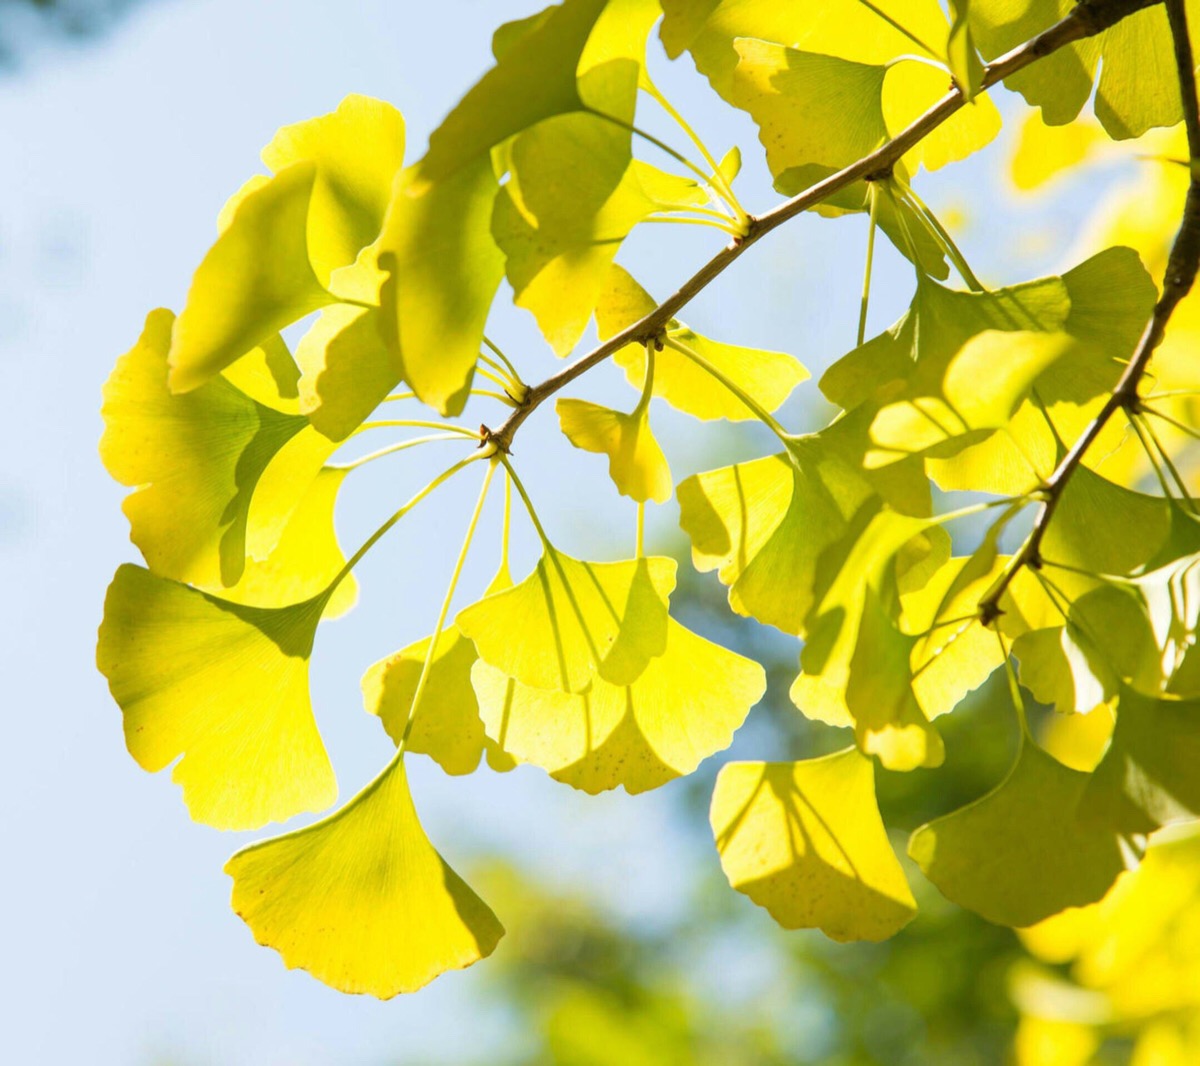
pixel 119 943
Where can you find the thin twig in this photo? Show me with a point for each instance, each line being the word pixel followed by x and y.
pixel 1086 19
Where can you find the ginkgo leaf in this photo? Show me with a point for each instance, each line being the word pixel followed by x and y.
pixel 347 370
pixel 195 461
pixel 442 270
pixel 559 251
pixel 446 726
pixel 685 706
pixel 805 841
pixel 768 376
pixel 269 375
pixel 982 386
pixel 762 526
pixel 357 150
pixel 307 558
pixel 1055 670
pixel 1147 778
pixel 240 296
pixel 636 463
pixel 856 656
pixel 577 619
pixel 361 900
pixel 224 686
pixel 1046 152
pixel 1138 86
pixel 1018 854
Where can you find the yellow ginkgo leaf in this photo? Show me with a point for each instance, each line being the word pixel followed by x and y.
pixel 636 463
pixel 307 557
pixel 268 374
pixel 768 376
pixel 347 370
pixel 577 619
pixel 442 270
pixel 762 526
pixel 361 899
pixel 240 296
pixel 222 685
pixel 685 706
pixel 805 841
pixel 1045 152
pixel 195 461
pixel 357 151
pixel 1019 854
pixel 446 726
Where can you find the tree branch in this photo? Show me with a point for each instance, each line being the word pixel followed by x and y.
pixel 1088 18
pixel 1177 282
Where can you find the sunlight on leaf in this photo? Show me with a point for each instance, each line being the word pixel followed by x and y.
pixel 361 900
pixel 805 841
pixel 225 687
pixel 636 463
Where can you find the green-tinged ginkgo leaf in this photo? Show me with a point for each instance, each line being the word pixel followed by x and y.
pixel 347 369
pixel 636 463
pixel 221 687
pixel 357 151
pixel 443 269
pixel 685 706
pixel 952 659
pixel 446 726
pixel 361 900
pixel 255 280
pixel 1138 86
pixel 805 841
pixel 762 526
pixel 577 619
pixel 559 251
pixel 1019 854
pixel 1147 778
pixel 847 29
pixel 769 377
pixel 857 664
pixel 1052 667
pixel 307 557
pixel 982 386
pixel 195 461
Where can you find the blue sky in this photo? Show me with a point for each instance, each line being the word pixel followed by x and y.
pixel 120 944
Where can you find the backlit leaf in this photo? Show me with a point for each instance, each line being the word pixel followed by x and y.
pixel 225 687
pixel 636 463
pixel 769 377
pixel 805 841
pixel 361 900
pixel 685 706
pixel 577 619
pixel 1018 854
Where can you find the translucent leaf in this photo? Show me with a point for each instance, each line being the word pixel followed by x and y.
pixel 1046 152
pixel 805 841
pixel 763 524
pixel 1147 778
pixel 685 706
pixel 443 269
pixel 358 150
pixel 269 375
pixel 963 60
pixel 361 900
pixel 982 386
pixel 1018 854
pixel 856 657
pixel 559 250
pixel 195 461
pixel 576 620
pixel 769 377
pixel 307 557
pixel 1138 86
pixel 1056 672
pixel 347 369
pixel 636 463
pixel 221 687
pixel 254 281
pixel 909 90
pixel 447 726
